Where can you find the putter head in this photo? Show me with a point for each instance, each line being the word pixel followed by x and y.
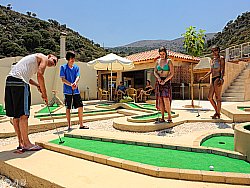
pixel 198 115
pixel 61 142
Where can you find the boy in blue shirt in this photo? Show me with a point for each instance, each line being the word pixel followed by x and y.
pixel 70 75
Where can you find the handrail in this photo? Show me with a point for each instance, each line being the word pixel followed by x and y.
pixel 236 52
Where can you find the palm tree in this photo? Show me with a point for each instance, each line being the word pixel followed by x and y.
pixel 194 44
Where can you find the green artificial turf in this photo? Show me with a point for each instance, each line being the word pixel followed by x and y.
pixel 133 105
pixel 46 110
pixel 63 114
pixel 2 111
pixel 222 142
pixel 104 104
pixel 150 116
pixel 243 107
pixel 159 156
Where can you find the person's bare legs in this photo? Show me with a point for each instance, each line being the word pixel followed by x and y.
pixel 17 130
pixel 217 91
pixel 162 107
pixel 68 117
pixel 167 107
pixel 210 97
pixel 24 130
pixel 80 111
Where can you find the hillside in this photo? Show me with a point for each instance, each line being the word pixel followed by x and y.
pixel 144 45
pixel 235 32
pixel 22 34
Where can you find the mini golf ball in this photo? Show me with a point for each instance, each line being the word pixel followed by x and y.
pixel 211 168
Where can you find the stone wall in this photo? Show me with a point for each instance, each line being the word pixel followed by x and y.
pixel 52 80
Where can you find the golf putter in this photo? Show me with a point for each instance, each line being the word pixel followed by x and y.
pixel 60 140
pixel 199 98
pixel 71 107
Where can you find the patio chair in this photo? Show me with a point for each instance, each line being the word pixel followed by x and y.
pixel 119 95
pixel 132 92
pixel 147 94
pixel 103 93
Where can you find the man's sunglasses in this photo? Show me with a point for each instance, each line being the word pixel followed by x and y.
pixel 54 62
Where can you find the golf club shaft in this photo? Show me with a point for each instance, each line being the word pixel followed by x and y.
pixel 199 99
pixel 54 123
pixel 72 100
pixel 158 101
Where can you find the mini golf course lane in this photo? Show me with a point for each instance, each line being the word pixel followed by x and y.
pixel 160 157
pixel 46 111
pixel 97 112
pixel 150 116
pixel 244 108
pixel 222 142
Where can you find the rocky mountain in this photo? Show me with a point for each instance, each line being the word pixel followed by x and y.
pixel 22 34
pixel 144 45
pixel 235 32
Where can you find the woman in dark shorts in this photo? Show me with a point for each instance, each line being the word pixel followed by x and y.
pixel 217 69
pixel 163 72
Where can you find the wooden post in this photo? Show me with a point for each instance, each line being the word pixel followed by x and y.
pixel 192 84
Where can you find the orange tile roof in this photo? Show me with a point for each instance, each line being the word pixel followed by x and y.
pixel 152 54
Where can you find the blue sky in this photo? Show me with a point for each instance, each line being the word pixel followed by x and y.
pixel 120 22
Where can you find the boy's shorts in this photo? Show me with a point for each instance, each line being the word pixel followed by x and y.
pixel 77 101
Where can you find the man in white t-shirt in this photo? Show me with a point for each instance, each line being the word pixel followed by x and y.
pixel 18 97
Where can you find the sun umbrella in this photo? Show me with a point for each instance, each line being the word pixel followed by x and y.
pixel 111 62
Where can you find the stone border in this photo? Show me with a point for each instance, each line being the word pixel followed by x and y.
pixel 204 137
pixel 51 126
pixel 163 172
pixel 126 106
pixel 232 154
pixel 125 124
pixel 241 139
pixel 75 115
pixel 132 119
pixel 198 149
pixel 236 114
pixel 30 180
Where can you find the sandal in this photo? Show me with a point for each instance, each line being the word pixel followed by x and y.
pixel 33 148
pixel 160 120
pixel 216 116
pixel 84 127
pixel 19 150
pixel 170 121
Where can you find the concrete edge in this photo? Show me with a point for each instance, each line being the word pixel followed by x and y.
pixel 199 149
pixel 51 126
pixel 25 179
pixel 162 172
pixel 232 154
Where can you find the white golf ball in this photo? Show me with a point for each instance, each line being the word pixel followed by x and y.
pixel 211 168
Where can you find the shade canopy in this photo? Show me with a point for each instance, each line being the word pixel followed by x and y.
pixel 111 62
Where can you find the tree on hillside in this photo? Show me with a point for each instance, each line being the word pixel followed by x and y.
pixel 9 7
pixel 28 13
pixel 194 44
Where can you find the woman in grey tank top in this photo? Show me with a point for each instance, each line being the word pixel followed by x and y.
pixel 217 71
